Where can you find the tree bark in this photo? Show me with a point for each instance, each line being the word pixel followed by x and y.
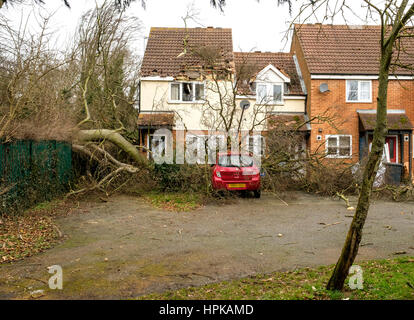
pixel 115 138
pixel 353 239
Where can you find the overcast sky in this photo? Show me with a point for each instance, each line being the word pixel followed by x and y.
pixel 256 26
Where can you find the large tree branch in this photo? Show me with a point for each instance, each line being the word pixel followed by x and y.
pixel 115 138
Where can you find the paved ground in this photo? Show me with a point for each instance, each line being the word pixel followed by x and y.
pixel 125 248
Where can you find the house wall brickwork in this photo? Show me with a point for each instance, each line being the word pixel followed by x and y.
pixel 333 104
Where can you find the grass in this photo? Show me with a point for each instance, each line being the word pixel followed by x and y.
pixel 178 202
pixel 383 279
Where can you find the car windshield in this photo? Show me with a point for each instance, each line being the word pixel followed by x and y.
pixel 235 161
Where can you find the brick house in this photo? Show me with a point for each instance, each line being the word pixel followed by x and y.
pixel 180 89
pixel 339 65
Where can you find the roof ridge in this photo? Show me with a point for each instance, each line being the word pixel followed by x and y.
pixel 263 52
pixel 193 28
pixel 335 25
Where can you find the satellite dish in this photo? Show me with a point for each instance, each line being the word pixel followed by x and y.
pixel 245 104
pixel 324 88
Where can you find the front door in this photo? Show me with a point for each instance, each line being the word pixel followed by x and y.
pixel 391 143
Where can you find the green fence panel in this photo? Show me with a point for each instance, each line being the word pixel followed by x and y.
pixel 63 162
pixel 1 162
pixel 37 170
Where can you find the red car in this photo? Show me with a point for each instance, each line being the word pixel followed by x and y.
pixel 236 172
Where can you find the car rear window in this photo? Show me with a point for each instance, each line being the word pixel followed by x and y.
pixel 235 161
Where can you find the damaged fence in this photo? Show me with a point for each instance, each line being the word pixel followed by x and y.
pixel 33 172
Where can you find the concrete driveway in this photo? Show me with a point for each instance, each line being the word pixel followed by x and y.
pixel 125 248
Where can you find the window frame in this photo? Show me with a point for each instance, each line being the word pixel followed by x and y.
pixel 149 144
pixel 252 145
pixel 337 155
pixel 359 100
pixel 269 91
pixel 180 92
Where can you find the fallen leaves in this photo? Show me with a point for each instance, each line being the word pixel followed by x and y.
pixel 26 235
pixel 175 202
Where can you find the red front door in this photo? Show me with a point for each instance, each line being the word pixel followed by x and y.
pixel 391 142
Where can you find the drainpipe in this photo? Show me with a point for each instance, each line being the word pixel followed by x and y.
pixel 410 155
pixel 139 108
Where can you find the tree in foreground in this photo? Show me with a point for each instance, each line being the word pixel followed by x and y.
pixel 395 19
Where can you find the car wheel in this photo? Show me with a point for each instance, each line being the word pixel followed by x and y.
pixel 257 194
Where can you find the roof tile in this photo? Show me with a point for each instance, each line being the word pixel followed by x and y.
pixel 164 46
pixel 341 49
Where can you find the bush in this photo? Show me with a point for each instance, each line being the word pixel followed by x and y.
pixel 184 178
pixel 328 178
pixel 289 166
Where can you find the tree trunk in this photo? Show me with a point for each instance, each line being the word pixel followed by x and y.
pixel 115 138
pixel 353 239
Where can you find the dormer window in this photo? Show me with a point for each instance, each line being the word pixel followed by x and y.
pixel 269 93
pixel 271 85
pixel 187 92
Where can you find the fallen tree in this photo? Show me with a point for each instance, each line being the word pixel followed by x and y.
pixel 85 95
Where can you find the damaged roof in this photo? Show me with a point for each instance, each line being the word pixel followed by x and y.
pixel 295 122
pixel 254 62
pixel 170 52
pixel 342 49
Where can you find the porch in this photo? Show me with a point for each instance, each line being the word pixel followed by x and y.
pixel 398 143
pixel 149 122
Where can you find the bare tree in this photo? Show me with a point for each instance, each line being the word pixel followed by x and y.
pixel 106 89
pixel 396 21
pixel 31 82
pixel 86 95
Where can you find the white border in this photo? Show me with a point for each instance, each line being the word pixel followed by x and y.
pixel 396 147
pixel 337 136
pixel 157 78
pixel 355 77
pixel 180 92
pixel 275 70
pixel 269 88
pixel 359 90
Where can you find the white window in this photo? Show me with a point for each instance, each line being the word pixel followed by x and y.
pixel 195 148
pixel 339 146
pixel 358 91
pixel 186 92
pixel 269 93
pixel 157 146
pixel 257 145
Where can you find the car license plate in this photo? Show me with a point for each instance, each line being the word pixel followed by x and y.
pixel 237 185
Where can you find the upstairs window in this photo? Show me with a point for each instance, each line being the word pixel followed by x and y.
pixel 269 93
pixel 358 91
pixel 339 146
pixel 186 92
